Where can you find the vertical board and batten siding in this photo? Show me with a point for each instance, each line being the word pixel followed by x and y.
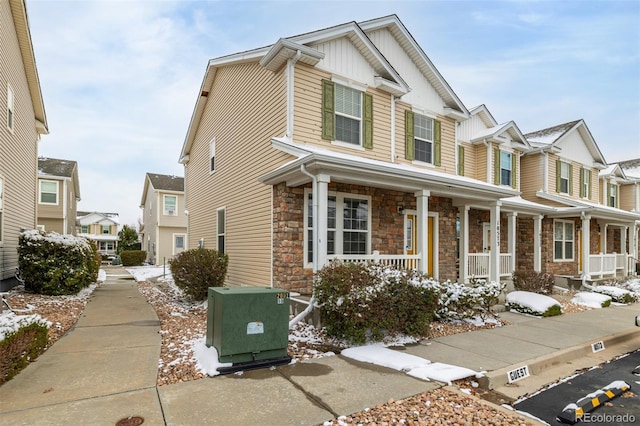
pixel 422 94
pixel 344 59
pixel 18 150
pixel 308 115
pixel 245 108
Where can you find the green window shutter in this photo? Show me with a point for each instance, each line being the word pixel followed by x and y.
pixel 409 142
pixel 461 160
pixel 589 177
pixel 558 167
pixel 570 179
pixel 582 182
pixel 368 121
pixel 328 110
pixel 496 166
pixel 514 170
pixel 437 142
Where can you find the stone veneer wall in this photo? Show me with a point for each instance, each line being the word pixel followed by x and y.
pixel 387 233
pixel 524 244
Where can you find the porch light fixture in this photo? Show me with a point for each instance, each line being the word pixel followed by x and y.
pixel 400 209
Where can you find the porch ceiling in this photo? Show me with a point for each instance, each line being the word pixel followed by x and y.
pixel 352 169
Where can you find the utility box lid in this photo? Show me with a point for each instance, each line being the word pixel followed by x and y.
pixel 248 324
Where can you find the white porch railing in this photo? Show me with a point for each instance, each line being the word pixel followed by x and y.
pixel 402 261
pixel 478 264
pixel 603 264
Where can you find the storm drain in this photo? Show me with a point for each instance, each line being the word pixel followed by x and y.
pixel 130 421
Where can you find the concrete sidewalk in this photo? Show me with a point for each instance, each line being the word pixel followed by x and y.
pixel 104 370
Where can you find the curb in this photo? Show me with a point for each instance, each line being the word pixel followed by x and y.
pixel 498 378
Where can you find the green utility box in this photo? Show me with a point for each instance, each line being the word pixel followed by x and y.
pixel 248 324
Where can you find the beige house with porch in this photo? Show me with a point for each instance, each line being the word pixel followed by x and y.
pixel 347 143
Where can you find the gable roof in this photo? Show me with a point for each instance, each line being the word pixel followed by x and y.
pixel 21 22
pixel 56 167
pixel 612 170
pixel 495 134
pixel 89 218
pixel 274 56
pixel 631 168
pixel 161 183
pixel 551 137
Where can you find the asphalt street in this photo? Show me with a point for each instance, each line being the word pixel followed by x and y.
pixel 622 410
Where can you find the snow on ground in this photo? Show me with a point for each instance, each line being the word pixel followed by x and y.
pixel 592 300
pixel 145 273
pixel 614 292
pixel 206 358
pixel 413 365
pixel 534 301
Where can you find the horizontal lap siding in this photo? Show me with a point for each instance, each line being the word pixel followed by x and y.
pixel 470 167
pixel 308 124
pixel 18 150
pixel 245 108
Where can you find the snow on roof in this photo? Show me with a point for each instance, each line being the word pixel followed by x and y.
pixel 551 134
pixel 631 168
pixel 56 167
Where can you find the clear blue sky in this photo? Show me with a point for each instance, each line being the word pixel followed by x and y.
pixel 120 78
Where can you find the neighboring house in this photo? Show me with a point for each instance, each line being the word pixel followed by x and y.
pixel 587 235
pixel 347 143
pixel 58 195
pixel 164 222
pixel 101 228
pixel 630 197
pixel 22 121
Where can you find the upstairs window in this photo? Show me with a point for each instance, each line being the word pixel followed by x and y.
pixel 48 192
pixel 10 109
pixel 84 229
pixel 170 205
pixel 504 168
pixel 347 115
pixel 422 138
pixel 106 229
pixel 613 195
pixel 563 177
pixel 585 183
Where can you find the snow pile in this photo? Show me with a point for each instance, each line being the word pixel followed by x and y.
pixel 530 303
pixel 206 358
pixel 11 323
pixel 53 237
pixel 618 294
pixel 145 273
pixel 592 300
pixel 414 366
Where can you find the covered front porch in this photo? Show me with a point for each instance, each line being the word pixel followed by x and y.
pixel 360 210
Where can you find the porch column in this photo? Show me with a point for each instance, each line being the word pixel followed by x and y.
pixel 537 243
pixel 623 240
pixel 494 259
pixel 586 243
pixel 512 239
pixel 633 240
pixel 464 244
pixel 422 202
pixel 323 208
pixel 603 238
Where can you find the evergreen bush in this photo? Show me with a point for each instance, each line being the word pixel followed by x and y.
pixel 21 345
pixel 55 264
pixel 133 257
pixel 360 302
pixel 195 270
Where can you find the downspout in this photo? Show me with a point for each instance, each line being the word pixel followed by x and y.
pixel 314 210
pixel 290 92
